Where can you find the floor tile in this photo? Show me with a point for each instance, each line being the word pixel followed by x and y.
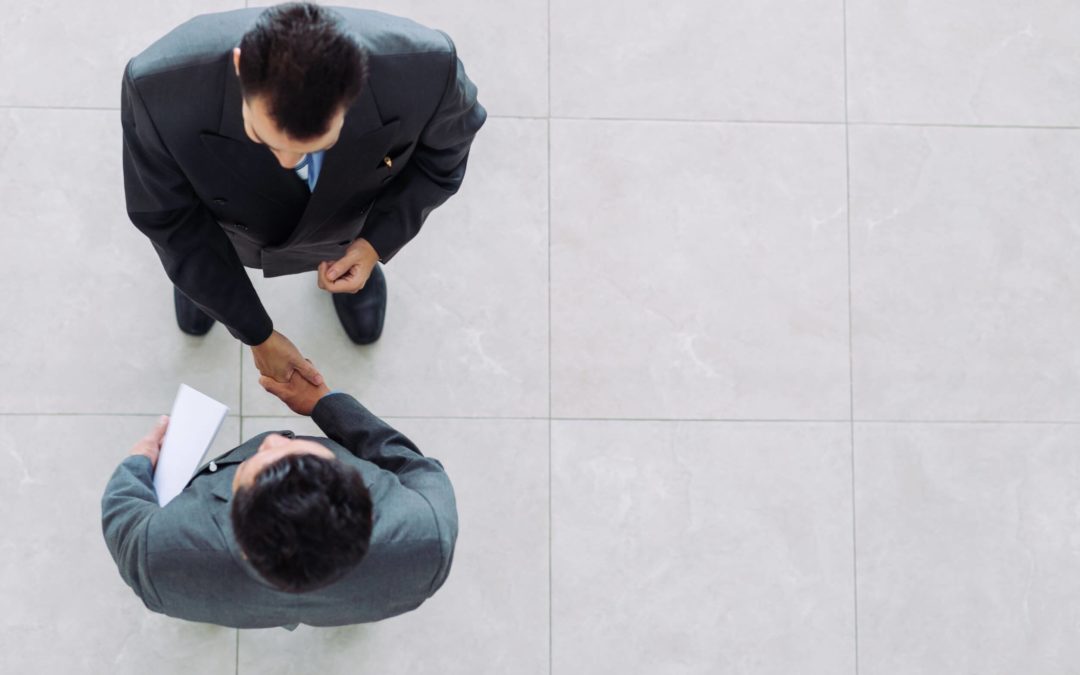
pixel 727 60
pixel 702 547
pixel 72 54
pixel 96 330
pixel 466 324
pixel 964 275
pixel 66 609
pixel 968 548
pixel 503 46
pixel 964 62
pixel 699 271
pixel 492 614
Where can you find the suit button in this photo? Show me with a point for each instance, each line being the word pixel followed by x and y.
pixel 220 200
pixel 213 466
pixel 242 227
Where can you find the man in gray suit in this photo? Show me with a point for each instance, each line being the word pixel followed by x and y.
pixel 284 530
pixel 291 139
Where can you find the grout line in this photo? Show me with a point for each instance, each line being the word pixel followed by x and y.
pixel 240 385
pixel 555 418
pixel 948 125
pixel 550 411
pixel 61 107
pixel 851 346
pixel 671 120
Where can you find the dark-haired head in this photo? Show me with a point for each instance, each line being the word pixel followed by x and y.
pixel 301 69
pixel 304 519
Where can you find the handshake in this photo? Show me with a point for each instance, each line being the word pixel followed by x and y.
pixel 285 373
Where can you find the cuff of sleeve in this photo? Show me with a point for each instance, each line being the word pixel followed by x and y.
pixel 383 241
pixel 254 334
pixel 337 411
pixel 140 464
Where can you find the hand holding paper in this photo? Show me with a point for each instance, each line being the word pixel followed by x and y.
pixel 191 428
pixel 150 444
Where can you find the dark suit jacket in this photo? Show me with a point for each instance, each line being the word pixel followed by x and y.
pixel 212 201
pixel 183 559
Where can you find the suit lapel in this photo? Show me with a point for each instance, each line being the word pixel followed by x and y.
pixel 360 148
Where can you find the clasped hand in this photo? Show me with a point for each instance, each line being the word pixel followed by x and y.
pixel 299 394
pixel 278 358
pixel 351 272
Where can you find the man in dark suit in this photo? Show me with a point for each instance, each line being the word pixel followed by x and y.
pixel 291 139
pixel 284 530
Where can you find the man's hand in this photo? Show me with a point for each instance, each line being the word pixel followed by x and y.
pixel 278 358
pixel 351 272
pixel 150 444
pixel 299 394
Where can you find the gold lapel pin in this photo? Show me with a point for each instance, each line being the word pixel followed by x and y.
pixel 388 162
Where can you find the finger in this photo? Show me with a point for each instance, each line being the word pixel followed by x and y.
pixel 322 280
pixel 351 282
pixel 309 372
pixel 271 385
pixel 340 267
pixel 158 432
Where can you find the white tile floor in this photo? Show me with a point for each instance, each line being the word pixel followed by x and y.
pixel 752 345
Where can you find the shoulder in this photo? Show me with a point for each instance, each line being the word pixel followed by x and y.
pixel 198 42
pixel 193 521
pixel 389 36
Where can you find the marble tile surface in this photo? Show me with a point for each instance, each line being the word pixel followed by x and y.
pixel 698 271
pixel 964 62
pixel 702 547
pixel 491 616
pixel 968 548
pixel 95 329
pixel 66 609
pixel 726 60
pixel 964 274
pixel 466 324
pixel 72 54
pixel 503 45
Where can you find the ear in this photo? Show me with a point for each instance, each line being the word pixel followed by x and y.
pixel 275 440
pixel 236 60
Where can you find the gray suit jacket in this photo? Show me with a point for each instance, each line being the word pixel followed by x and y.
pixel 183 560
pixel 213 201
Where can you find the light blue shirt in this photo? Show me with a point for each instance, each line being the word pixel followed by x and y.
pixel 309 168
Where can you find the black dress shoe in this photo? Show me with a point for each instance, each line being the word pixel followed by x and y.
pixel 362 313
pixel 189 317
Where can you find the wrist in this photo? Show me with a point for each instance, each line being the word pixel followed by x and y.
pixel 265 344
pixel 364 248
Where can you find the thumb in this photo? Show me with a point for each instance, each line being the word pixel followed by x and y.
pixel 342 265
pixel 309 372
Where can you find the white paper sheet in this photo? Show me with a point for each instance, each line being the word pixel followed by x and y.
pixel 193 424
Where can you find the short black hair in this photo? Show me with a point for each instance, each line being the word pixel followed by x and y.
pixel 304 66
pixel 304 523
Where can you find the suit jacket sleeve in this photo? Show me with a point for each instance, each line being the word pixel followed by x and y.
pixel 196 253
pixel 127 508
pixel 343 419
pixel 435 170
